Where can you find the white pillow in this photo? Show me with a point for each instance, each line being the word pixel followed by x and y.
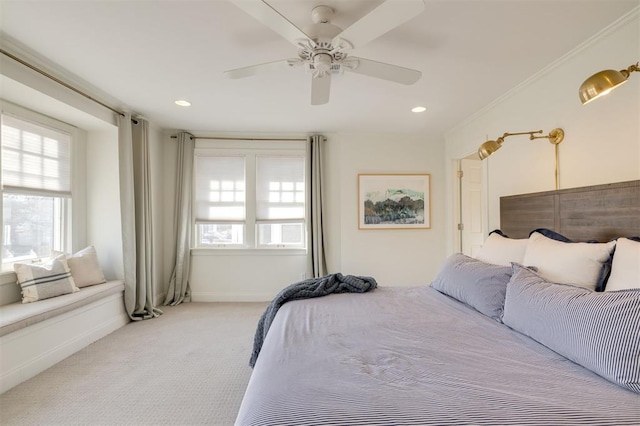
pixel 625 271
pixel 567 263
pixel 85 267
pixel 500 250
pixel 44 280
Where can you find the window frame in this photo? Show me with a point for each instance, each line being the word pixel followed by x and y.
pixel 73 212
pixel 251 150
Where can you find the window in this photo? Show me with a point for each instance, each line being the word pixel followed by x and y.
pixel 250 197
pixel 220 195
pixel 36 189
pixel 280 196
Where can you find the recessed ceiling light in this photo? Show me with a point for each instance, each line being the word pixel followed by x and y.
pixel 181 102
pixel 418 109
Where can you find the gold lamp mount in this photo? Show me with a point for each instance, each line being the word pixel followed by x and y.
pixel 555 136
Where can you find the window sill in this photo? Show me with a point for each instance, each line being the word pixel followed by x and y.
pixel 247 252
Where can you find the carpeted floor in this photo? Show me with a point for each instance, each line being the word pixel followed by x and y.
pixel 186 367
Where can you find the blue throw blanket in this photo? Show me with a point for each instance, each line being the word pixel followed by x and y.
pixel 314 287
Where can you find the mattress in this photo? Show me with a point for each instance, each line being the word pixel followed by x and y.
pixel 413 356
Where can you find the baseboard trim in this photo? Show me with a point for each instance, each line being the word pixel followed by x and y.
pixel 230 297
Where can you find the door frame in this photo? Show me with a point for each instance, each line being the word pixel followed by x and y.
pixel 456 166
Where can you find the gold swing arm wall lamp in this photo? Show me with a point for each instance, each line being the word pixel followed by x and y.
pixel 603 82
pixel 555 137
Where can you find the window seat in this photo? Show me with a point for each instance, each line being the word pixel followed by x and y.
pixel 18 315
pixel 35 336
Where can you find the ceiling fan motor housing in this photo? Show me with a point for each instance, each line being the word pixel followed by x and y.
pixel 321 14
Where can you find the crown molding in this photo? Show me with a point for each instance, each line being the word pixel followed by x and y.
pixel 605 32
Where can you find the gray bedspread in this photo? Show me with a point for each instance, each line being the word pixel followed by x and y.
pixel 412 356
pixel 313 287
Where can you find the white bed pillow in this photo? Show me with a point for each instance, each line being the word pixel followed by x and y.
pixel 625 271
pixel 85 267
pixel 578 264
pixel 500 250
pixel 44 280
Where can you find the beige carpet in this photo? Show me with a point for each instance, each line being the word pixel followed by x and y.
pixel 186 367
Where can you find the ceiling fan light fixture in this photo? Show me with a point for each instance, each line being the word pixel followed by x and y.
pixel 182 103
pixel 418 109
pixel 322 64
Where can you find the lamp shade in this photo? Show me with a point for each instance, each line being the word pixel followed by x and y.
pixel 600 84
pixel 488 148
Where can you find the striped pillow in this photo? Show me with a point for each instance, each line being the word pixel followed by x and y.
pixel 475 283
pixel 600 331
pixel 46 280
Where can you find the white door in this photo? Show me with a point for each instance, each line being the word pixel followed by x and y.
pixel 471 232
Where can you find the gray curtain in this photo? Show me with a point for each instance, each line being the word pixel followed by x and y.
pixel 179 285
pixel 317 261
pixel 135 207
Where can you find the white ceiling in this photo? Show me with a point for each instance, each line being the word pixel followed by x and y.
pixel 146 54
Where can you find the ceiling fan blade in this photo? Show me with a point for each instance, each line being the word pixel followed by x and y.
pixel 380 20
pixel 262 68
pixel 381 70
pixel 273 19
pixel 320 89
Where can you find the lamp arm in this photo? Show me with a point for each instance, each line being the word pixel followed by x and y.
pixel 631 69
pixel 521 133
pixel 501 139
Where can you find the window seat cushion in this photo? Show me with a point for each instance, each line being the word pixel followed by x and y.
pixel 16 316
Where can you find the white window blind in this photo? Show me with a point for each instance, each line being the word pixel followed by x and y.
pixel 280 189
pixel 35 159
pixel 220 189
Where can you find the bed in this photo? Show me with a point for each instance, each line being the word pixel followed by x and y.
pixel 486 343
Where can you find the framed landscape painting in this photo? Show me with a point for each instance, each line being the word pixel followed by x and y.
pixel 394 201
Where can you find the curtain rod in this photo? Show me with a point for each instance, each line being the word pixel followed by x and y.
pixel 243 139
pixel 57 80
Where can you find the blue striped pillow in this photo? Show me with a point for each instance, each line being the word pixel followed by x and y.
pixel 600 331
pixel 473 282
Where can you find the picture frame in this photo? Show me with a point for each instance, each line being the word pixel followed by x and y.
pixel 394 201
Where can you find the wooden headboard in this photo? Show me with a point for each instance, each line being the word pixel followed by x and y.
pixel 600 212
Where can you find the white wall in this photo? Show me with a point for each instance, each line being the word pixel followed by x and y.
pixel 602 139
pixel 103 200
pixel 247 276
pixel 393 257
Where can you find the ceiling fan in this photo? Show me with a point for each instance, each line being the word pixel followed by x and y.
pixel 323 47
